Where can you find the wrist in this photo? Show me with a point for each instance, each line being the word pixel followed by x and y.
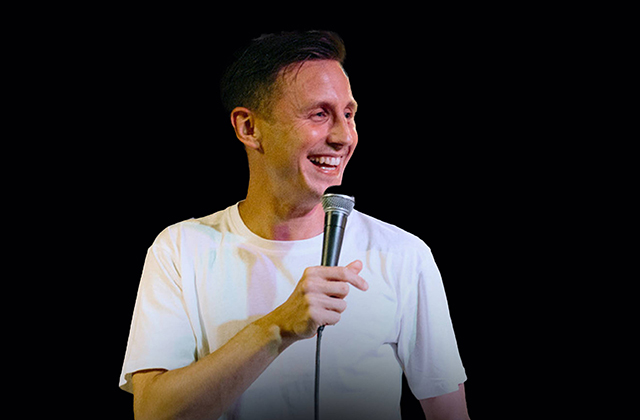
pixel 275 331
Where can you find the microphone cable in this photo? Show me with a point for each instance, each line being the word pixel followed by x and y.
pixel 316 398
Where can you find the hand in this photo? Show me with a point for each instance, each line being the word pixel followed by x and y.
pixel 317 300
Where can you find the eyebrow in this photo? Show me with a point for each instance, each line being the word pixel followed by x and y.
pixel 326 104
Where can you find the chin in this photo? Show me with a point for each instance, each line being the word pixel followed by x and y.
pixel 317 180
pixel 320 188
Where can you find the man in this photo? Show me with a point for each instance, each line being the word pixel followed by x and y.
pixel 228 303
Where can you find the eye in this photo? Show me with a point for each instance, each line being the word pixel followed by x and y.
pixel 320 115
pixel 349 113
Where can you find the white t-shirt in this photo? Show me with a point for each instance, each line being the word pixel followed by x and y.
pixel 206 279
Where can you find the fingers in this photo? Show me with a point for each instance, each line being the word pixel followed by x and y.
pixel 327 310
pixel 325 317
pixel 355 266
pixel 348 274
pixel 336 289
pixel 332 304
pixel 319 298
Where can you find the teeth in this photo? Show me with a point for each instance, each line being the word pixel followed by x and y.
pixel 332 161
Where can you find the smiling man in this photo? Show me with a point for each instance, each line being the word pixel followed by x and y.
pixel 297 149
pixel 228 303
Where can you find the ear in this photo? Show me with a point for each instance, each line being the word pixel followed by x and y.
pixel 244 123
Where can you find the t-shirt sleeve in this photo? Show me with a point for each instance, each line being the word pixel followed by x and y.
pixel 161 336
pixel 427 346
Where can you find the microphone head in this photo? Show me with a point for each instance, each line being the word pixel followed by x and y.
pixel 338 202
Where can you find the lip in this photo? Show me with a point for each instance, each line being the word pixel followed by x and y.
pixel 325 155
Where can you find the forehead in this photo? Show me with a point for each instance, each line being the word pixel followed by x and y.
pixel 315 81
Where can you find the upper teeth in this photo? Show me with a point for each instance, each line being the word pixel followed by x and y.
pixel 333 161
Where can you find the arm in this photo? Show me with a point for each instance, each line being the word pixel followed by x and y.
pixel 452 406
pixel 205 389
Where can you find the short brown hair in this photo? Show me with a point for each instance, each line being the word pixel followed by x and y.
pixel 250 80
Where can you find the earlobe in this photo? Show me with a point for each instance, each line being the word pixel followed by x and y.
pixel 244 124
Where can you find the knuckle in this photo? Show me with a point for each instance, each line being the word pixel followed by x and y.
pixel 306 287
pixel 344 288
pixel 310 300
pixel 312 313
pixel 309 285
pixel 310 271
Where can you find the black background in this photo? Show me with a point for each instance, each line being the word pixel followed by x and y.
pixel 453 121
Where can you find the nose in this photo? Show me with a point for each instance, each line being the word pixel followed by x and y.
pixel 343 133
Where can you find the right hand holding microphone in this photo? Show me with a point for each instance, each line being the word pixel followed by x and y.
pixel 317 300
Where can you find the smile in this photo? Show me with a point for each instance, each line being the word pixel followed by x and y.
pixel 326 163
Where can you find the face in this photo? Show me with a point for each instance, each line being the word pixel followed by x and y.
pixel 310 134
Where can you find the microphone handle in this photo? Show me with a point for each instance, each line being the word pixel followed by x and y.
pixel 334 223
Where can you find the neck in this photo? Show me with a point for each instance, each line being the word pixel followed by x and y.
pixel 279 220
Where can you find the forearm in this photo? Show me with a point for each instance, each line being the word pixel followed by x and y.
pixel 205 389
pixel 208 387
pixel 452 406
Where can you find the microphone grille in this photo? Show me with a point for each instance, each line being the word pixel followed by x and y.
pixel 338 202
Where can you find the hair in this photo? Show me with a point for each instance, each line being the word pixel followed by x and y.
pixel 250 81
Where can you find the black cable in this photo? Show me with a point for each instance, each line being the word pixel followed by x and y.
pixel 317 386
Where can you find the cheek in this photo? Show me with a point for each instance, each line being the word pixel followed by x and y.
pixel 307 140
pixel 291 147
pixel 288 155
pixel 315 133
pixel 354 136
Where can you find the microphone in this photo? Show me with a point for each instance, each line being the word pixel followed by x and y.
pixel 337 208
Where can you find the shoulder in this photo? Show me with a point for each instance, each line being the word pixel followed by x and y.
pixel 209 229
pixel 385 236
